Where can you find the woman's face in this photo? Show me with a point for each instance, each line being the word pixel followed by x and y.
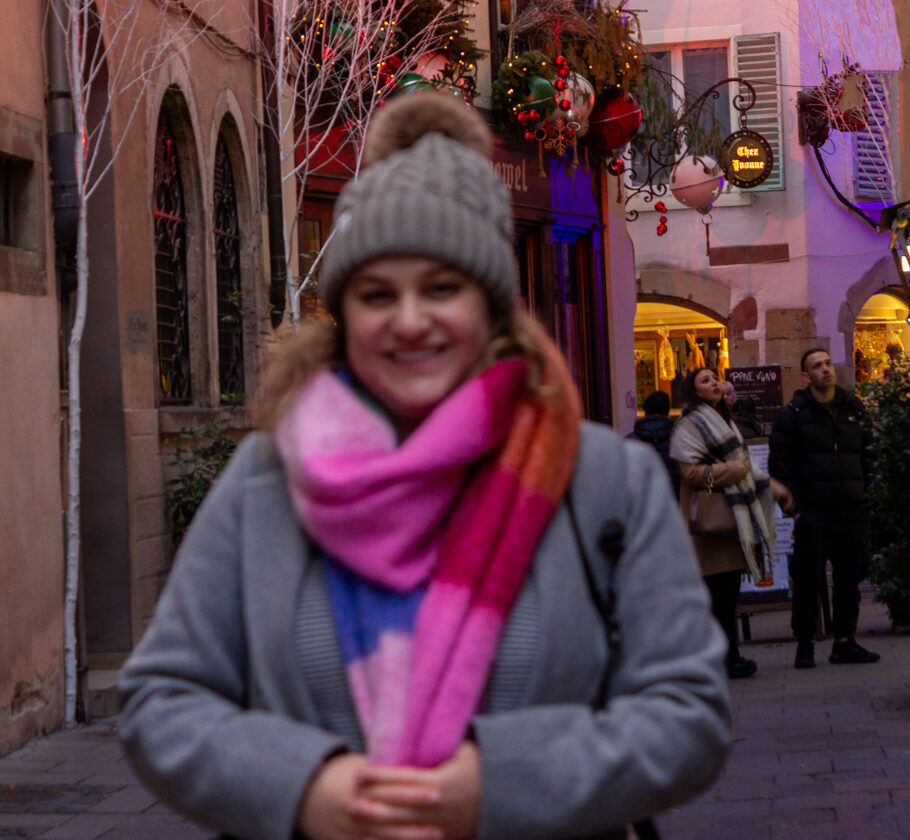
pixel 707 387
pixel 415 330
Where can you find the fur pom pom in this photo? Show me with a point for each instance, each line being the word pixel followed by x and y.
pixel 404 120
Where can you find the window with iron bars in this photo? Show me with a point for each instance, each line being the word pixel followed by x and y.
pixel 228 280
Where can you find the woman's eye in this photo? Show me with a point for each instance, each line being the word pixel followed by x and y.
pixel 375 297
pixel 445 288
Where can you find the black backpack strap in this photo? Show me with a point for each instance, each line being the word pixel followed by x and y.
pixel 600 586
pixel 601 575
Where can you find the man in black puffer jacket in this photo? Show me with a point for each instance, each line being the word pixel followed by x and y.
pixel 655 428
pixel 819 450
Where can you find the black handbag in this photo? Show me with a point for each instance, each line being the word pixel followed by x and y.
pixel 610 543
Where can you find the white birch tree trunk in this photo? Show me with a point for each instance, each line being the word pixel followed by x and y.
pixel 75 48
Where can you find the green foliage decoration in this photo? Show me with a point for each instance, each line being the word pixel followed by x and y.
pixel 511 87
pixel 598 41
pixel 454 36
pixel 330 43
pixel 199 454
pixel 888 418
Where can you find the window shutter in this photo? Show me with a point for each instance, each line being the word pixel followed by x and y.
pixel 872 170
pixel 757 60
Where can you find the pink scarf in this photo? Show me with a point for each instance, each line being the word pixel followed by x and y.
pixel 458 509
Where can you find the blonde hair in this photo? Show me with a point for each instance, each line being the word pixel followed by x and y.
pixel 319 345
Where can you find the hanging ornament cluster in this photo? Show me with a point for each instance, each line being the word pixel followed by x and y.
pixel 661 208
pixel 558 97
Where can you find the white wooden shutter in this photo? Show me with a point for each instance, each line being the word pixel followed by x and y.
pixel 872 170
pixel 756 58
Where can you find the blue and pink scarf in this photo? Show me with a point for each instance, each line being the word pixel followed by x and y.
pixel 429 541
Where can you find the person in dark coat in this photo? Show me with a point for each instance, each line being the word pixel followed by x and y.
pixel 819 450
pixel 655 428
pixel 743 412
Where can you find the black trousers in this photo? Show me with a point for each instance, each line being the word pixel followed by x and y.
pixel 843 538
pixel 724 589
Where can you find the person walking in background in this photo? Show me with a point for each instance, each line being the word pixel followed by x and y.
pixel 729 392
pixel 819 448
pixel 383 622
pixel 711 457
pixel 743 413
pixel 655 429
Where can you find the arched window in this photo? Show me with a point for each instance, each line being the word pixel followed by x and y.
pixel 170 273
pixel 227 266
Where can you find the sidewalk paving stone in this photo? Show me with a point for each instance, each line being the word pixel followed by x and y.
pixel 820 754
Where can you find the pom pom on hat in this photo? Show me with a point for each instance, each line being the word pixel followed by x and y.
pixel 402 122
pixel 430 191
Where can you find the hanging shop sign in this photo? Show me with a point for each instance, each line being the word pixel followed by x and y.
pixel 746 158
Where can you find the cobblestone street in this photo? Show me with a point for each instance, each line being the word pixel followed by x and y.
pixel 817 754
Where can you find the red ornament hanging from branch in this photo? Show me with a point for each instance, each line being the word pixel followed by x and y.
pixel 613 122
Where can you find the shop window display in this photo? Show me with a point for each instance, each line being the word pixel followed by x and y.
pixel 881 336
pixel 669 341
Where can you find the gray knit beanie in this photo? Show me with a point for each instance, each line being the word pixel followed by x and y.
pixel 428 189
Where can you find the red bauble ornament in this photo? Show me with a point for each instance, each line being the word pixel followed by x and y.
pixel 613 122
pixel 616 166
pixel 660 207
pixel 529 136
pixel 564 71
pixel 661 229
pixel 565 104
pixel 560 84
pixel 533 115
pixel 560 61
pixel 663 220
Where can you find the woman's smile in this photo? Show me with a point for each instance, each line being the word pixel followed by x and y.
pixel 415 329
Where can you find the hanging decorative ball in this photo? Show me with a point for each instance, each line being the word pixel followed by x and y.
pixel 538 96
pixel 560 61
pixel 413 81
pixel 660 207
pixel 613 122
pixel 577 122
pixel 388 69
pixel 616 166
pixel 661 229
pixel 529 136
pixel 565 104
pixel 581 94
pixel 696 182
pixel 560 84
pixel 663 220
pixel 564 71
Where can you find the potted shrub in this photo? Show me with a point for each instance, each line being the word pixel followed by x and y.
pixel 888 416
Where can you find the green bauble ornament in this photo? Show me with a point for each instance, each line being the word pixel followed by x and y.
pixel 341 30
pixel 538 95
pixel 411 82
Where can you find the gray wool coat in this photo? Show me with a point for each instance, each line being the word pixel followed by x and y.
pixel 218 721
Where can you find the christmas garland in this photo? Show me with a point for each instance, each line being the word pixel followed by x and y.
pixel 571 81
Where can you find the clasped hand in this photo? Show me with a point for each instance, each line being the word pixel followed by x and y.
pixel 349 799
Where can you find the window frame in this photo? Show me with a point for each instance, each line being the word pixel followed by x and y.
pixel 676 41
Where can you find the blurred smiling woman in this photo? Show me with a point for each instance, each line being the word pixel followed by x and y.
pixel 382 622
